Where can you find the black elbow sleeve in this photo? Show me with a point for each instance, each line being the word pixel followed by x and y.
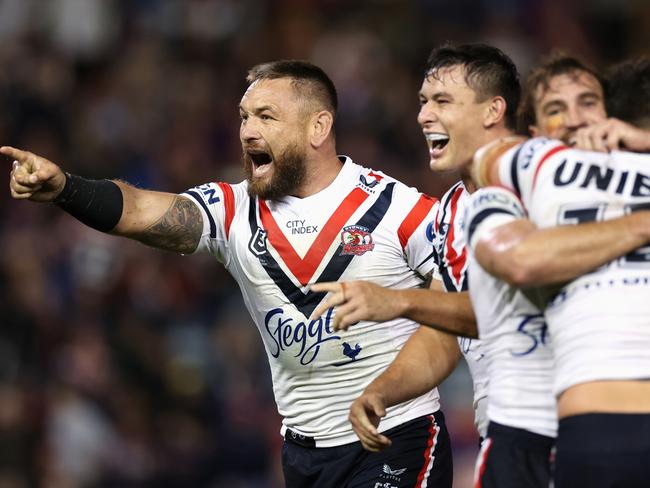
pixel 96 203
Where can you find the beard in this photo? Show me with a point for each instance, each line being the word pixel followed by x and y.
pixel 288 174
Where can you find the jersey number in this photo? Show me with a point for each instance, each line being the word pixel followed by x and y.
pixel 595 213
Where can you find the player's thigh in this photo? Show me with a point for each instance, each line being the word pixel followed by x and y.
pixel 512 458
pixel 420 455
pixel 326 467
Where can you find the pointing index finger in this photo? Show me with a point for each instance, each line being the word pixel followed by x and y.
pixel 16 154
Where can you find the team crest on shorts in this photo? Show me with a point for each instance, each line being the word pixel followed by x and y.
pixel 356 240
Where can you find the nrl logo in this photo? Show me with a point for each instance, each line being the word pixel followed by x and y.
pixel 356 240
pixel 257 244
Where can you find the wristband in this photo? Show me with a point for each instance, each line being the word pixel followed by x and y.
pixel 96 203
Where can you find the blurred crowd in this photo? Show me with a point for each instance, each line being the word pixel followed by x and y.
pixel 122 366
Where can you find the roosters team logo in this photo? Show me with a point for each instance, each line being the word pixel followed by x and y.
pixel 356 240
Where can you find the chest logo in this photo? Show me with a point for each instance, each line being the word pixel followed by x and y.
pixel 356 240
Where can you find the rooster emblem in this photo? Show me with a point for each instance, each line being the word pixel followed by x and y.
pixel 351 353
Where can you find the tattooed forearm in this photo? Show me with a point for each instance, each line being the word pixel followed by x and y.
pixel 178 230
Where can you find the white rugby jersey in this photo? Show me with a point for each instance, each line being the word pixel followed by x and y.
pixel 513 331
pixel 365 225
pixel 600 322
pixel 449 244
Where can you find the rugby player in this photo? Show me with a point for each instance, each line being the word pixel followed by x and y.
pixel 468 92
pixel 597 321
pixel 303 215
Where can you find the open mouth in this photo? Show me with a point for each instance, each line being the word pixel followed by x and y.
pixel 436 141
pixel 261 162
pixel 260 158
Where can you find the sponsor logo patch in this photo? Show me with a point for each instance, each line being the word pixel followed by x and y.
pixel 372 180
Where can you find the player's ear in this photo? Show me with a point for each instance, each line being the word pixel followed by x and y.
pixel 533 131
pixel 320 127
pixel 495 112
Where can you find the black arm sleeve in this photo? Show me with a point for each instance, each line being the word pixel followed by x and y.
pixel 96 203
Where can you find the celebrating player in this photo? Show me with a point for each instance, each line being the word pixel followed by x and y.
pixel 599 321
pixel 303 215
pixel 468 92
pixel 522 410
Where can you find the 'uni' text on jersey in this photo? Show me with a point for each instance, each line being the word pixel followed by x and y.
pixel 365 225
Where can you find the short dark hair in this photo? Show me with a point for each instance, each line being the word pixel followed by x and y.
pixel 308 79
pixel 488 71
pixel 555 64
pixel 627 91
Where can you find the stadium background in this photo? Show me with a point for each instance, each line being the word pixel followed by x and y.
pixel 122 366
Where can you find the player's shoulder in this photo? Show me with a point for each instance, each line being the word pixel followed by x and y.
pixel 534 149
pixel 490 207
pixel 372 180
pixel 216 194
pixel 494 199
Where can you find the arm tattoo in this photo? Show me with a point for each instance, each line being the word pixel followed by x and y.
pixel 178 230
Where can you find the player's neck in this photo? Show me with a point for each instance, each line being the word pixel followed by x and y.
pixel 470 186
pixel 494 134
pixel 320 174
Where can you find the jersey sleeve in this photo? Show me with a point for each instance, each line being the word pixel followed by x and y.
pixel 217 203
pixel 488 208
pixel 415 235
pixel 520 165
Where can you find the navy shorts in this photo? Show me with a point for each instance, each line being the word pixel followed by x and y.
pixel 603 450
pixel 514 458
pixel 420 455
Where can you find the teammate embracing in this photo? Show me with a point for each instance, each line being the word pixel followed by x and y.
pixel 599 321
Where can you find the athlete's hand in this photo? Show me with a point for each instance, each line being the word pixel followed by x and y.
pixel 612 134
pixel 365 414
pixel 356 301
pixel 33 177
